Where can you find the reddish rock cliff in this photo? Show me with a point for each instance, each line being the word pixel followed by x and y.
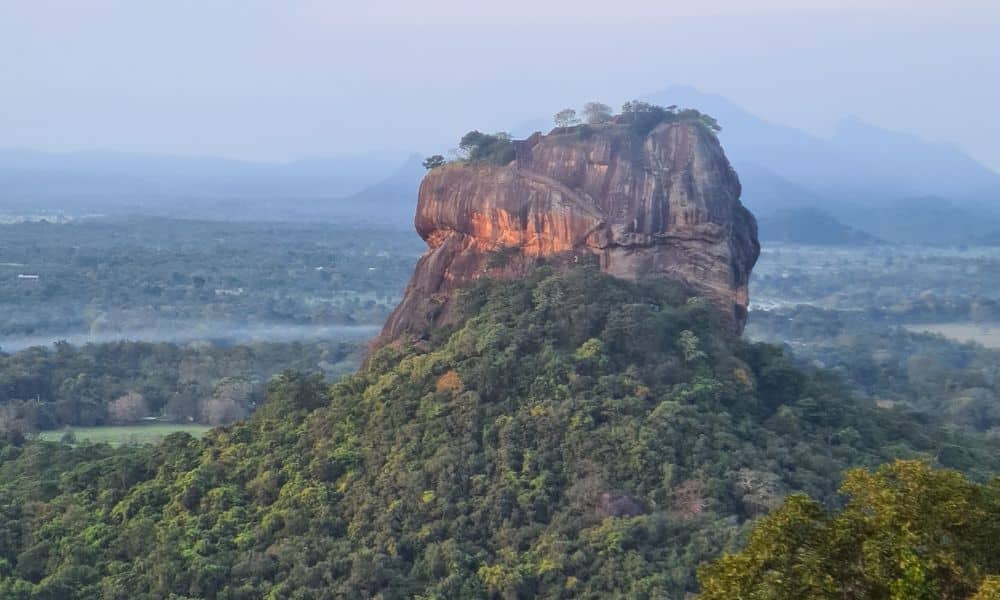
pixel 665 204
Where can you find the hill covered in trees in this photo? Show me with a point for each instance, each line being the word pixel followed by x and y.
pixel 568 435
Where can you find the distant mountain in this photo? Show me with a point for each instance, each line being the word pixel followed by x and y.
pixel 924 220
pixel 861 164
pixel 765 192
pixel 906 162
pixel 110 179
pixel 391 201
pixel 810 226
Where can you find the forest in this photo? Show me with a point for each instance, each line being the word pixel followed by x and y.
pixel 572 435
pixel 867 314
pixel 127 320
pixel 94 280
pixel 129 382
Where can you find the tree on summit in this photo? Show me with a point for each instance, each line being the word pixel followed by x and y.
pixel 433 161
pixel 566 118
pixel 595 113
pixel 486 148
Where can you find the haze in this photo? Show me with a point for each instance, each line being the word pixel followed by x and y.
pixel 275 81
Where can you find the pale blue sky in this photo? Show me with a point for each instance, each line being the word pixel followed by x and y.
pixel 281 79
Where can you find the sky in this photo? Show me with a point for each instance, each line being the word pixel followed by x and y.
pixel 278 80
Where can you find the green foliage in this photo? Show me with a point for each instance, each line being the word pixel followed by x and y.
pixel 596 113
pixel 573 435
pixel 502 257
pixel 902 370
pixel 989 590
pixel 488 149
pixel 877 302
pixel 433 162
pixel 566 118
pixel 908 531
pixel 643 117
pixel 46 389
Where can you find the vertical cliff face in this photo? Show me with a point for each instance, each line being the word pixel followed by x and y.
pixel 663 204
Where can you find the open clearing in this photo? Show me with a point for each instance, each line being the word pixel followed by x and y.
pixel 117 435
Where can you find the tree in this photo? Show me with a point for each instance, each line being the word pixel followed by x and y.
pixel 566 118
pixel 689 498
pixel 642 117
pixel 689 343
pixel 908 531
pixel 433 162
pixel 479 147
pixel 128 408
pixel 230 402
pixel 596 113
pixel 759 490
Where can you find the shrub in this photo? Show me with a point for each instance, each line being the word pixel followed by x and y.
pixel 485 148
pixel 433 162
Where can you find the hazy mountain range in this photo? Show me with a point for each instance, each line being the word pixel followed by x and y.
pixel 101 181
pixel 890 185
pixel 860 184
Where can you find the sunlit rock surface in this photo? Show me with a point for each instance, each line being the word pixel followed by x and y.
pixel 665 204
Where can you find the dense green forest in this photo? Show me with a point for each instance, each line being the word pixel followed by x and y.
pixel 947 381
pixel 572 435
pixel 860 313
pixel 126 382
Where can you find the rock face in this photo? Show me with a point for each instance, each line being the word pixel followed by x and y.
pixel 663 204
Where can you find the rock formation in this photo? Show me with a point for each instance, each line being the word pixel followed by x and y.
pixel 662 204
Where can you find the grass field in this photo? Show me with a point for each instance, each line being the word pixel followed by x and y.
pixel 117 435
pixel 987 334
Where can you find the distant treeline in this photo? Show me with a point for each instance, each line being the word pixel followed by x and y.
pixel 126 382
pixel 103 277
pixel 948 381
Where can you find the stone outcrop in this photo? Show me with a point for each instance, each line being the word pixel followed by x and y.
pixel 663 204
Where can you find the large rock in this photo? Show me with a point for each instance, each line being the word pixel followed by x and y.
pixel 664 204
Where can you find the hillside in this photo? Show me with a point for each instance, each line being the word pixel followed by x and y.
pixel 121 183
pixel 924 220
pixel 810 226
pixel 569 435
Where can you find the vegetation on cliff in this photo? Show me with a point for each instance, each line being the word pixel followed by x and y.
pixel 477 147
pixel 572 435
pixel 484 148
pixel 640 116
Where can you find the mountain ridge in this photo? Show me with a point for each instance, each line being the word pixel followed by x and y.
pixel 848 168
